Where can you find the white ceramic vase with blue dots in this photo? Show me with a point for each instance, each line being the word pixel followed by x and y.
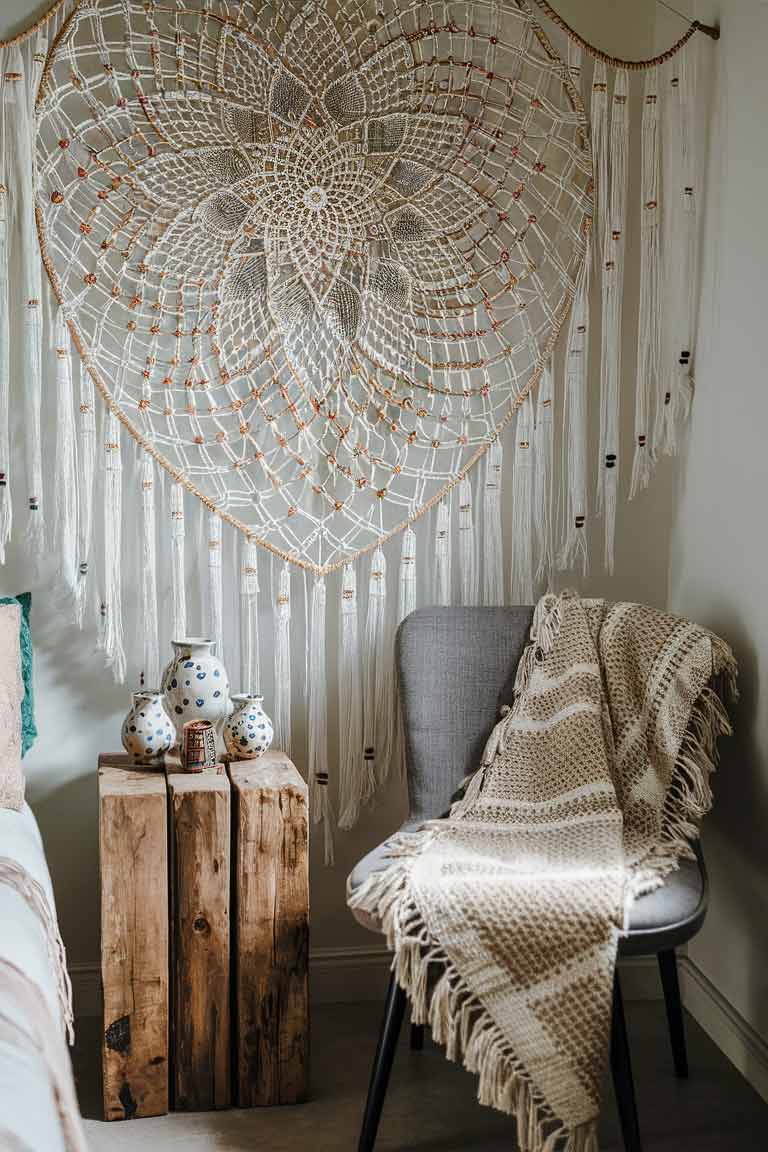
pixel 196 685
pixel 248 732
pixel 147 729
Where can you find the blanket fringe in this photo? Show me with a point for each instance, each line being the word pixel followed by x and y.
pixel 16 877
pixel 689 796
pixel 457 1018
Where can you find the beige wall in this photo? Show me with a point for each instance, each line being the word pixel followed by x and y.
pixel 713 568
pixel 720 545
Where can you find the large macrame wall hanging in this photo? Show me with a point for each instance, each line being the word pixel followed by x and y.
pixel 315 258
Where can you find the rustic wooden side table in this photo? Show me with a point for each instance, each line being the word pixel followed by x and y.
pixel 204 1005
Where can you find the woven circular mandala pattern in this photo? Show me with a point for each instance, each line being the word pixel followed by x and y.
pixel 313 254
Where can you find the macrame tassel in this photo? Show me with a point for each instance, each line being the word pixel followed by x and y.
pixel 542 476
pixel 178 587
pixel 283 661
pixel 6 510
pixel 613 279
pixel 443 554
pixel 493 572
pixel 65 507
pixel 86 467
pixel 320 799
pixel 467 551
pixel 574 465
pixel 649 323
pixel 31 281
pixel 406 597
pixel 250 674
pixel 574 63
pixel 149 622
pixel 215 584
pixel 114 653
pixel 356 787
pixel 679 387
pixel 521 585
pixel 375 659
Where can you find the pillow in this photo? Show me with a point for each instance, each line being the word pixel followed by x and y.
pixel 28 726
pixel 11 696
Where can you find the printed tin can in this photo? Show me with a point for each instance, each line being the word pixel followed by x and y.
pixel 198 749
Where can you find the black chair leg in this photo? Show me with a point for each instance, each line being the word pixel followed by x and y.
pixel 621 1071
pixel 417 1037
pixel 671 986
pixel 394 1011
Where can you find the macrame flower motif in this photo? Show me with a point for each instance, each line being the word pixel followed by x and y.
pixel 314 252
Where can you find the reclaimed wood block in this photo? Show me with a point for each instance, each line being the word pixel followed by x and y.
pixel 199 814
pixel 271 932
pixel 133 840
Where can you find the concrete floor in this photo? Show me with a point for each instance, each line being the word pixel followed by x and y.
pixel 431 1104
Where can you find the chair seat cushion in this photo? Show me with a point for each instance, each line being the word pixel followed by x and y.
pixel 661 920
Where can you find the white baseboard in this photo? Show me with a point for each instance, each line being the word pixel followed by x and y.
pixel 359 974
pixel 733 1035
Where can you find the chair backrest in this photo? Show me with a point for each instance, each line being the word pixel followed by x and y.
pixel 456 668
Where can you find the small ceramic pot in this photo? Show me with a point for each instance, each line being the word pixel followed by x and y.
pixel 248 732
pixel 147 729
pixel 196 685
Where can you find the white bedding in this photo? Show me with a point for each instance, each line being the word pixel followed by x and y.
pixel 29 1117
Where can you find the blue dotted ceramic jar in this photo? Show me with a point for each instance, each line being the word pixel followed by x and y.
pixel 196 685
pixel 248 732
pixel 147 729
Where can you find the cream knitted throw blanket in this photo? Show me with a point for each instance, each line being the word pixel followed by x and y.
pixel 505 917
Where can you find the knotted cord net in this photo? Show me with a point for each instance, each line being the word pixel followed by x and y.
pixel 314 255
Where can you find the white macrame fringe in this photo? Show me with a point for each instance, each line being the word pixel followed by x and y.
pixel 543 487
pixel 443 553
pixel 493 572
pixel 215 584
pixel 467 549
pixel 6 508
pixel 250 673
pixel 178 586
pixel 357 782
pixel 521 584
pixel 86 467
pixel 375 660
pixel 283 661
pixel 320 799
pixel 612 290
pixel 649 323
pixel 22 102
pixel 114 652
pixel 64 543
pixel 574 458
pixel 679 386
pixel 150 623
pixel 406 596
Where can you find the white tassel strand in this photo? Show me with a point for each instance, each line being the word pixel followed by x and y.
pixel 649 324
pixel 543 439
pixel 521 584
pixel 320 799
pixel 215 584
pixel 283 661
pixel 467 550
pixel 406 595
pixel 114 652
pixel 6 509
pixel 373 666
pixel 250 673
pixel 356 782
pixel 443 554
pixel 574 463
pixel 65 492
pixel 178 586
pixel 151 668
pixel 493 571
pixel 86 466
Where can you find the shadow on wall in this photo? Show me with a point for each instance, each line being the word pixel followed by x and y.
pixel 735 838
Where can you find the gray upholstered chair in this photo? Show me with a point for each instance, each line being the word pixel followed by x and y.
pixel 456 668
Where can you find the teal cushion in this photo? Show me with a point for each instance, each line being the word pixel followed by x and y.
pixel 28 726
